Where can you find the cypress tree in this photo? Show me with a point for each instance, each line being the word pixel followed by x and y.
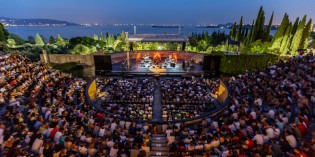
pixel 293 30
pixel 2 37
pixel 295 26
pixel 269 28
pixel 239 32
pixel 306 35
pixel 277 39
pixel 286 37
pixel 246 33
pixel 251 33
pixel 95 37
pixel 298 36
pixel 260 33
pixel 38 40
pixel 256 31
pixel 233 31
pixel 4 32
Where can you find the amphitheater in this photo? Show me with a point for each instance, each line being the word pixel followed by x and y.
pixel 155 103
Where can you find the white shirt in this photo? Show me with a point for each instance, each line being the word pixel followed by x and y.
pixel 83 150
pixel 113 152
pixel 36 145
pixel 270 132
pixel 271 114
pixel 259 139
pixel 110 144
pixel 291 140
pixel 101 133
pixel 170 139
pixel 253 113
pixel 168 132
pixel 57 136
pixel 215 143
pixel 113 126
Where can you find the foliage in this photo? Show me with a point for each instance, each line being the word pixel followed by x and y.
pixel 82 49
pixel 277 39
pixel 3 33
pixel 233 31
pixel 239 32
pixel 306 34
pixel 18 40
pixel 60 41
pixel 287 37
pixel 258 28
pixel 237 64
pixel 86 41
pixel 267 36
pixel 298 37
pixel 71 67
pixel 38 40
pixel 95 37
pixel 11 43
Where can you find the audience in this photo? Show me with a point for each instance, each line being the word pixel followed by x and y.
pixel 47 114
pixel 186 98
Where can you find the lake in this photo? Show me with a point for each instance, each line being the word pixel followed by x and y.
pixel 74 31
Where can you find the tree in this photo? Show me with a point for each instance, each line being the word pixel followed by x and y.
pixel 2 37
pixel 286 38
pixel 51 40
pixel 277 39
pixel 60 41
pixel 269 28
pixel 103 38
pixel 31 39
pixel 202 45
pixel 38 40
pixel 110 41
pixel 239 32
pixel 233 31
pixel 250 34
pixel 81 49
pixel 306 34
pixel 259 26
pixel 295 26
pixel 18 40
pixel 193 40
pixel 298 36
pixel 3 33
pixel 11 43
pixel 95 37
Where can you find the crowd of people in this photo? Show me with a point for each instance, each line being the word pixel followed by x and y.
pixel 186 98
pixel 45 113
pixel 270 115
pixel 128 98
pixel 48 115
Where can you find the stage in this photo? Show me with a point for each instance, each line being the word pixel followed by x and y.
pixel 157 63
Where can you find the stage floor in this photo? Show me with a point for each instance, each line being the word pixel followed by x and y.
pixel 136 67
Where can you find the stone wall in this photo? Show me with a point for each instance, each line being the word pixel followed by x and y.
pixel 86 60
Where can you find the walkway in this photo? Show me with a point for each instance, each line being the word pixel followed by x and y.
pixel 157 103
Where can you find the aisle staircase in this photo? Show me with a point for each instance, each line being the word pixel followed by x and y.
pixel 157 103
pixel 159 146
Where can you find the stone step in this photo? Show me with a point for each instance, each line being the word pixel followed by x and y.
pixel 158 153
pixel 159 144
pixel 158 141
pixel 160 149
pixel 158 135
pixel 158 138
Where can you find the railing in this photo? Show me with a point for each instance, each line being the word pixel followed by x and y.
pixel 219 108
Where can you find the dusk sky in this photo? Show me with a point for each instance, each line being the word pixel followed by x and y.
pixel 155 11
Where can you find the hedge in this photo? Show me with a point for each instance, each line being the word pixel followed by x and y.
pixel 71 67
pixel 237 64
